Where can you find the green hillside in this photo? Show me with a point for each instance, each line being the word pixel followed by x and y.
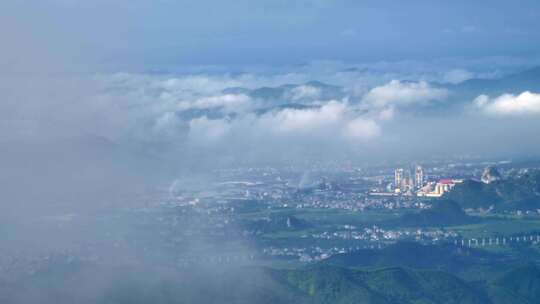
pixel 519 192
pixel 328 284
pixel 443 213
pixel 414 255
pixel 521 285
pixel 315 284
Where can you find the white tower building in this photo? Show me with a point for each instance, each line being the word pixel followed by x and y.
pixel 419 177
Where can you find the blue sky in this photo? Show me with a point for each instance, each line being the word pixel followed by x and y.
pixel 166 32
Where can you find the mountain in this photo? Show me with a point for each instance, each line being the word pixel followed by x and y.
pixel 520 285
pixel 474 194
pixel 326 284
pixel 527 80
pixel 329 284
pixel 315 284
pixel 414 255
pixel 290 93
pixel 443 213
pixel 521 192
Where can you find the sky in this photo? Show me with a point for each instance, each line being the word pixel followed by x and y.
pixel 165 32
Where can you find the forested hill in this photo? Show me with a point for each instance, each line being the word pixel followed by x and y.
pixel 521 192
pixel 443 213
pixel 317 284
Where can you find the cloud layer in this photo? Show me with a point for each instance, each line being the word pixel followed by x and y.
pixel 398 93
pixel 524 104
pixel 322 108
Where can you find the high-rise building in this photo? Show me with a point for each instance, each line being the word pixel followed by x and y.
pixel 407 183
pixel 419 177
pixel 398 177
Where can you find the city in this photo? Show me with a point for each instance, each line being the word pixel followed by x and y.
pixel 279 214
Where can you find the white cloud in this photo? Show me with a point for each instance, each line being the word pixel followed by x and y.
pixel 167 127
pixel 481 101
pixel 230 102
pixel 526 103
pixel 404 93
pixel 361 128
pixel 332 121
pixel 152 106
pixel 386 114
pixel 457 76
pixel 204 130
pixel 197 84
pixel 166 121
pixel 298 120
pixel 305 91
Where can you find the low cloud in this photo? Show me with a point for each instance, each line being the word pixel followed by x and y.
pixel 526 103
pixel 400 93
pixel 229 102
pixel 293 120
pixel 178 116
pixel 387 113
pixel 305 91
pixel 331 123
pixel 204 130
pixel 361 128
pixel 456 76
pixel 334 119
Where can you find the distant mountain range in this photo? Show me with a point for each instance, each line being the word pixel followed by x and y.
pixel 305 95
pixel 528 80
pixel 282 93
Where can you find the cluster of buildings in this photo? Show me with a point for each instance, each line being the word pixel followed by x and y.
pixel 404 181
pixel 413 182
pixel 417 185
pixel 438 189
